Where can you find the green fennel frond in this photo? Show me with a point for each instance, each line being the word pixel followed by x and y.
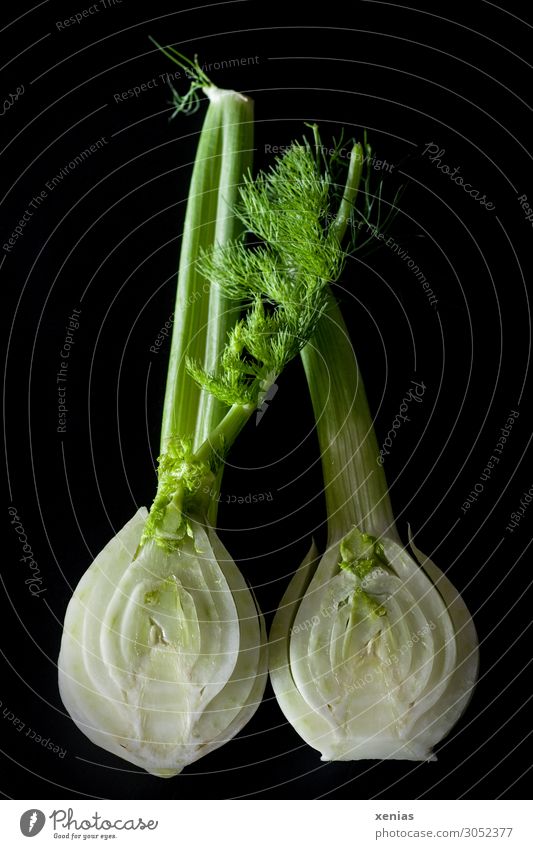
pixel 189 102
pixel 282 278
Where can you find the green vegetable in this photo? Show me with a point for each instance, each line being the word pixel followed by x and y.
pixel 372 655
pixel 163 656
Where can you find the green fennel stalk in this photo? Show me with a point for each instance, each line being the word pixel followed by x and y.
pixel 203 313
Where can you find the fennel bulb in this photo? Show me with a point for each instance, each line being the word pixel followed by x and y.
pixel 373 654
pixel 163 655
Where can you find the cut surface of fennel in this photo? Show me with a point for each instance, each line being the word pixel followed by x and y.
pixel 163 657
pixel 380 667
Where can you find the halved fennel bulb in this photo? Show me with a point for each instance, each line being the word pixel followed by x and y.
pixel 373 656
pixel 163 656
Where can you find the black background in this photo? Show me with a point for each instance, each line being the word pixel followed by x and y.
pixel 106 240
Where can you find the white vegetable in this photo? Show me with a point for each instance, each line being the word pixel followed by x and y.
pixel 163 657
pixel 362 681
